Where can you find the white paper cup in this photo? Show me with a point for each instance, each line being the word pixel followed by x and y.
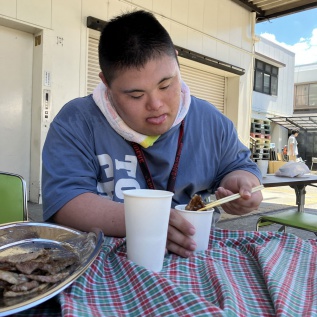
pixel 147 214
pixel 263 166
pixel 201 220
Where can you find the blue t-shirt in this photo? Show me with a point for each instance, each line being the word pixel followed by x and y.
pixel 82 153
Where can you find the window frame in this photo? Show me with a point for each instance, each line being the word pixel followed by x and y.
pixel 265 78
pixel 305 95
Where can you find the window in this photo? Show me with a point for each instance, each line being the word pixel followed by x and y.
pixel 306 96
pixel 265 78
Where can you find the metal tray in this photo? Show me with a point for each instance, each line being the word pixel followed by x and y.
pixel 28 236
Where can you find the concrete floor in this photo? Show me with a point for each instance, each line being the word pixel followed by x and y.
pixel 35 212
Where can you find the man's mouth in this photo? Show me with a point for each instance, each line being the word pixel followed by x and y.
pixel 157 120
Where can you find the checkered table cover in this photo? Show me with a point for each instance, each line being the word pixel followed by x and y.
pixel 241 274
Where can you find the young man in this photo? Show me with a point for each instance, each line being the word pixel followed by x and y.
pixel 292 146
pixel 141 111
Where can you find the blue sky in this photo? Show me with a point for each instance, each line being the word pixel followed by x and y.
pixel 296 32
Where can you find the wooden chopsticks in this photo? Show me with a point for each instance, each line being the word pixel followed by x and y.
pixel 228 198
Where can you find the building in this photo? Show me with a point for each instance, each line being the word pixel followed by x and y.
pixel 286 96
pixel 49 54
pixel 305 80
pixel 273 90
pixel 305 108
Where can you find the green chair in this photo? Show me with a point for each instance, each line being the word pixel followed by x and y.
pixel 290 218
pixel 13 198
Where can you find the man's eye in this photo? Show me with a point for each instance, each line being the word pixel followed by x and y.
pixel 165 87
pixel 136 97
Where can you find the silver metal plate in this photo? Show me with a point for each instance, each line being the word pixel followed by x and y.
pixel 29 236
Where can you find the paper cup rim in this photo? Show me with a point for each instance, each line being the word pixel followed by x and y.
pixel 193 211
pixel 153 193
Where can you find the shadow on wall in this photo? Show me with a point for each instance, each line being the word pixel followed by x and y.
pixel 307 147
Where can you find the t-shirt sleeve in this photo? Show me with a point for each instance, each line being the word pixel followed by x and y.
pixel 234 155
pixel 69 164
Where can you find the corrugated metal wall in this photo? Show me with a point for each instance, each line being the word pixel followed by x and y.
pixel 202 84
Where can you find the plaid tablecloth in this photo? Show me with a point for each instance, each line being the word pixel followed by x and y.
pixel 242 274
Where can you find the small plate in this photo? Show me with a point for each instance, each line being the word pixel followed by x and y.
pixel 28 236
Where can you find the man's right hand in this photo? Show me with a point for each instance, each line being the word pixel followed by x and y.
pixel 178 236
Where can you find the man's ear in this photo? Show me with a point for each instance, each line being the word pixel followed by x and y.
pixel 103 79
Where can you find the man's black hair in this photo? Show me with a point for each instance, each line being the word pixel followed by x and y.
pixel 131 40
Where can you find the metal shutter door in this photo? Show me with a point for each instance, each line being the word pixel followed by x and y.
pixel 93 68
pixel 202 84
pixel 205 85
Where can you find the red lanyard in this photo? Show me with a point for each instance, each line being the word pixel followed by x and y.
pixel 145 170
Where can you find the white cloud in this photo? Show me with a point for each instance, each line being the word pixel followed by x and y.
pixel 305 50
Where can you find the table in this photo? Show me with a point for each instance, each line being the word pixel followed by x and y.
pixel 241 274
pixel 298 183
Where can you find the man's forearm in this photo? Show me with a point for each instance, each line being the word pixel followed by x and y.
pixel 89 210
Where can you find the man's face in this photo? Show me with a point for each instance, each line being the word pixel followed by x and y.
pixel 147 99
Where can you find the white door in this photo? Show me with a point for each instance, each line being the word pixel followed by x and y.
pixel 16 57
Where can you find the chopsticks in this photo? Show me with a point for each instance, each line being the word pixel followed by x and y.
pixel 228 198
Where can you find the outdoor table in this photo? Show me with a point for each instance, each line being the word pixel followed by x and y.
pixel 298 183
pixel 241 274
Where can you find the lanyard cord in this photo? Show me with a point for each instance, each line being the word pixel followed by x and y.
pixel 145 169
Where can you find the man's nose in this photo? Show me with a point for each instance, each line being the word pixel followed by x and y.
pixel 154 102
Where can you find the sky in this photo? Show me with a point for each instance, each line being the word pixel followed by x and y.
pixel 296 32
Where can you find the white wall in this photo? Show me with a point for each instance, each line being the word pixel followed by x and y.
pixel 265 106
pixel 279 136
pixel 219 29
pixel 282 104
pixel 306 73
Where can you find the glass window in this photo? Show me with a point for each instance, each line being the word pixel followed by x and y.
pixel 274 85
pixel 313 95
pixel 258 86
pixel 274 70
pixel 268 68
pixel 306 96
pixel 259 65
pixel 265 78
pixel 266 86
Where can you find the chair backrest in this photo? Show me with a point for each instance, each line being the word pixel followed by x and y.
pixel 13 198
